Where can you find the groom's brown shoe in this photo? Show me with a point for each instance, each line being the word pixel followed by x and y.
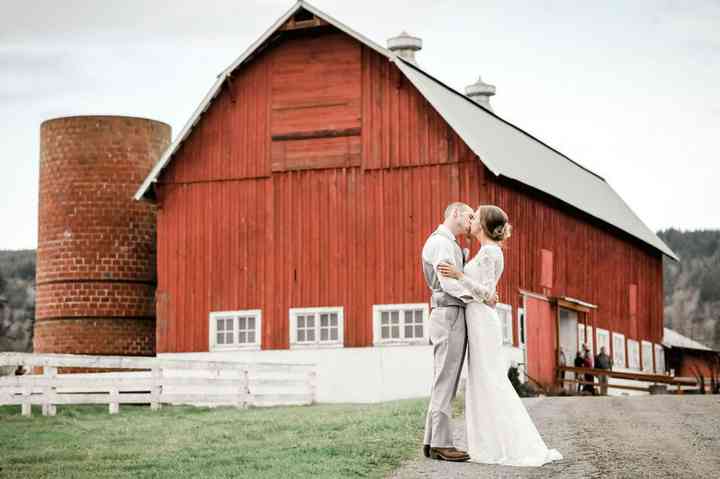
pixel 448 454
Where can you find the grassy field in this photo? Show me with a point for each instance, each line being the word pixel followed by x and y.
pixel 288 442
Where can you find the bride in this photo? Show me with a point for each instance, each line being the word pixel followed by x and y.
pixel 499 429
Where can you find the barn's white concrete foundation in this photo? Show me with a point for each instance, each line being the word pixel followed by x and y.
pixel 358 375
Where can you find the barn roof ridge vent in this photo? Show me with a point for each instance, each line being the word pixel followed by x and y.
pixel 480 92
pixel 405 46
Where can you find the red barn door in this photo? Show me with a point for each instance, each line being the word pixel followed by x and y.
pixel 541 336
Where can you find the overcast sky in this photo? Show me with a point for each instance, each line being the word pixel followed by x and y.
pixel 628 89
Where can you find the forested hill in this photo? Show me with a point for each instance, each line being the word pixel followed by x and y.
pixel 692 286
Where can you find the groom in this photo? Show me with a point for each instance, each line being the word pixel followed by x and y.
pixel 446 328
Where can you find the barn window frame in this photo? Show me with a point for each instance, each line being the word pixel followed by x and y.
pixel 401 309
pixel 646 356
pixel 316 342
pixel 633 352
pixel 605 335
pixel 505 313
pixel 659 355
pixel 235 318
pixel 618 361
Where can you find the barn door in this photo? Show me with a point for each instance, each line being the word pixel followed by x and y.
pixel 540 339
pixel 569 333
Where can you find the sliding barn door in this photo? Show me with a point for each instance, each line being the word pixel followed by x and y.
pixel 541 339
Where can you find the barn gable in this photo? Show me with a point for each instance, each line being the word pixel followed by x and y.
pixel 504 149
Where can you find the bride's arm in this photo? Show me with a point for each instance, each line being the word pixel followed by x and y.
pixel 482 289
pixel 442 253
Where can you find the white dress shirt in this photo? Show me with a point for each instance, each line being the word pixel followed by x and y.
pixel 442 247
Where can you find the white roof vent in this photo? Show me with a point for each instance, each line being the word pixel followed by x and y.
pixel 405 46
pixel 480 92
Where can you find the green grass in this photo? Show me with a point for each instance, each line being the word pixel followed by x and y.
pixel 285 442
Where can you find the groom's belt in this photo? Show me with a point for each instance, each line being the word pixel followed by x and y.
pixel 440 299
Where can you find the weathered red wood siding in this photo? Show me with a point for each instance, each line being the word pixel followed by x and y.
pixel 591 261
pixel 314 179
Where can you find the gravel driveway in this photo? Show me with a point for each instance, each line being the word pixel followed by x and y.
pixel 623 437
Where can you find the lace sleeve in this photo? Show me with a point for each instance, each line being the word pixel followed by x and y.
pixel 482 288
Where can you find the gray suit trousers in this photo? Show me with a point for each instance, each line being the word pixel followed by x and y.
pixel 449 339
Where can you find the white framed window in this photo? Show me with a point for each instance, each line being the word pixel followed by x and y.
pixel 633 354
pixel 659 359
pixel 504 311
pixel 400 323
pixel 618 350
pixel 647 356
pixel 316 327
pixel 235 330
pixel 602 336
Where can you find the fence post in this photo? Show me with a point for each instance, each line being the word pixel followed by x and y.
pixel 49 391
pixel 26 405
pixel 114 406
pixel 157 374
pixel 312 379
pixel 245 388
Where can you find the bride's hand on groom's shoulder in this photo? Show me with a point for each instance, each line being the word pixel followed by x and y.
pixel 449 270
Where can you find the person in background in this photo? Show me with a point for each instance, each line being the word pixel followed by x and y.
pixel 603 361
pixel 562 362
pixel 579 362
pixel 588 363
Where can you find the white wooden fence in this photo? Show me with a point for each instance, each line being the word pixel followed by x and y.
pixel 161 381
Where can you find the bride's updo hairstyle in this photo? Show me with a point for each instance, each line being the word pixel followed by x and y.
pixel 494 222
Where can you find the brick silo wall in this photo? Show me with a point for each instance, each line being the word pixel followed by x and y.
pixel 96 245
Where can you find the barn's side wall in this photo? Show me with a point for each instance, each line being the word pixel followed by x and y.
pixel 314 179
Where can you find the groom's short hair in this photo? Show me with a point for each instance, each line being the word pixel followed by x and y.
pixel 458 205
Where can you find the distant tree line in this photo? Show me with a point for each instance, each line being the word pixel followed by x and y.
pixel 692 286
pixel 17 287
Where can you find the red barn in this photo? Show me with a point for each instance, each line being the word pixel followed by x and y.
pixel 293 206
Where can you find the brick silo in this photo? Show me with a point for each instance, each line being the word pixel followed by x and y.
pixel 96 245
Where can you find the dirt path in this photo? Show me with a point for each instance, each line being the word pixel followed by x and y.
pixel 642 436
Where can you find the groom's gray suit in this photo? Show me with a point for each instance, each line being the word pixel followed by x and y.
pixel 447 333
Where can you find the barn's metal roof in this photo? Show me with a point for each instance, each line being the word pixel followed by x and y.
pixel 673 339
pixel 509 151
pixel 504 148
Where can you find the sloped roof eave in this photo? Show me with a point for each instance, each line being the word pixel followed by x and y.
pixel 673 339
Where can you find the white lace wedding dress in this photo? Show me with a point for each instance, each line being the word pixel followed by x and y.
pixel 499 429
